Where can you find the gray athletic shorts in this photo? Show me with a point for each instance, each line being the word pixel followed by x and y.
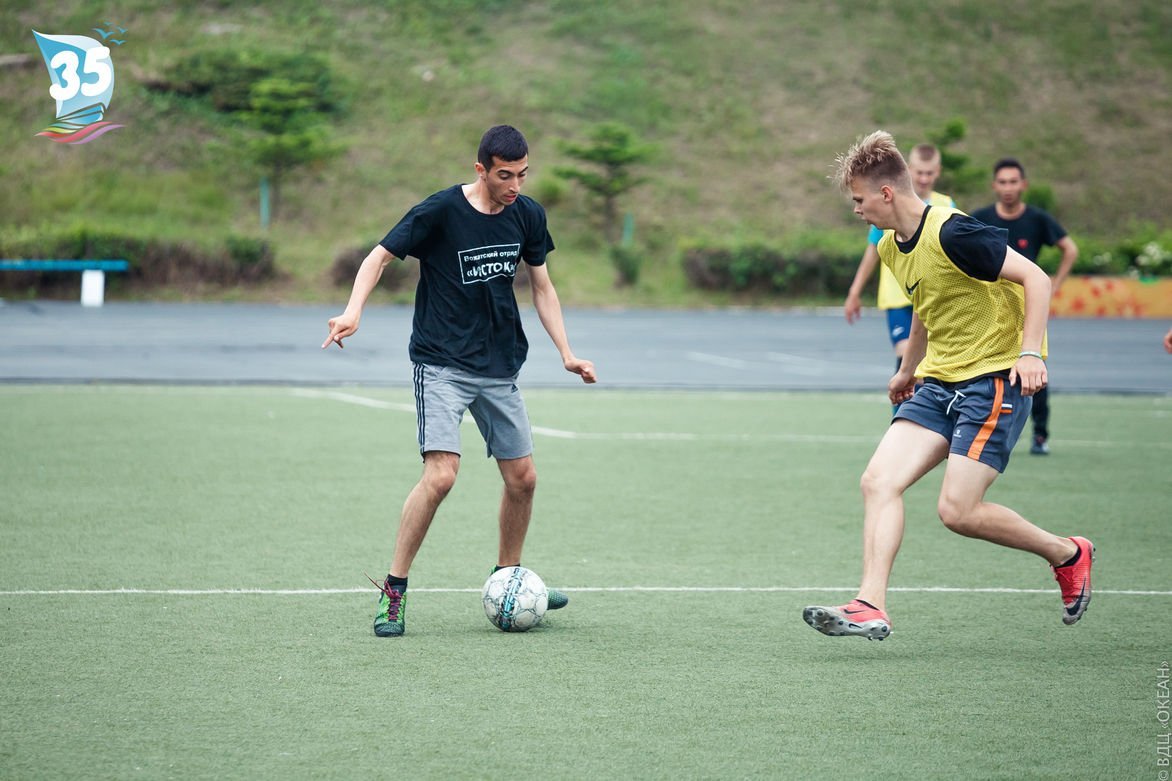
pixel 443 393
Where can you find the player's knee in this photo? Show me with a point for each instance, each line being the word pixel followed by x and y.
pixel 956 516
pixel 522 481
pixel 873 484
pixel 439 479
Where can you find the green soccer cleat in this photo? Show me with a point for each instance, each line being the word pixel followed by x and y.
pixel 392 610
pixel 557 599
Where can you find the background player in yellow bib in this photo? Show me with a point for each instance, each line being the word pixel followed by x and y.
pixel 978 342
pixel 924 166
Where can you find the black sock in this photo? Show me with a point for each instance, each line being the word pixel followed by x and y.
pixel 400 582
pixel 500 567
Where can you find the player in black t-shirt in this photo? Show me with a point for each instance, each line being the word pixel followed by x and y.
pixel 467 344
pixel 1030 229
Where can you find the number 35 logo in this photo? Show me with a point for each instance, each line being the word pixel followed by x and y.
pixel 97 62
pixel 82 76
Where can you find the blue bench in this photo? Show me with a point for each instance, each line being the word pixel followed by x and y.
pixel 93 273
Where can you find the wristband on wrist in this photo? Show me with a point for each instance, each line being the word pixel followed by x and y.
pixel 1031 354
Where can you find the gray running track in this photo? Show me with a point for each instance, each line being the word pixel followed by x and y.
pixel 726 349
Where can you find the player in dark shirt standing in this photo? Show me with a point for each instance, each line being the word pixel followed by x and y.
pixel 1030 229
pixel 467 344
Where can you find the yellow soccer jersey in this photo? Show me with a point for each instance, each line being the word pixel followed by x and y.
pixel 891 295
pixel 950 268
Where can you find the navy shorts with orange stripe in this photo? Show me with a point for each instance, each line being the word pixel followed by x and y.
pixel 981 418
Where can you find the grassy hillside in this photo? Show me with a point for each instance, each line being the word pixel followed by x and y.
pixel 746 102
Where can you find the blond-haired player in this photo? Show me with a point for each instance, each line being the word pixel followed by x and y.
pixel 924 164
pixel 985 308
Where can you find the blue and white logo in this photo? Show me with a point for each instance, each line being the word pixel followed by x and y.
pixel 83 83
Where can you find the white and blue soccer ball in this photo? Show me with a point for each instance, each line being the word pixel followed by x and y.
pixel 515 599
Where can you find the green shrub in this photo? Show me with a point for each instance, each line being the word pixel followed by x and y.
pixel 550 191
pixel 824 264
pixel 1147 252
pixel 627 262
pixel 226 77
pixel 253 257
pixel 154 262
pixel 398 275
pixel 801 265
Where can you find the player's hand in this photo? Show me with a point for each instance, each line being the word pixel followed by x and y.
pixel 901 387
pixel 1168 341
pixel 341 327
pixel 584 369
pixel 1031 372
pixel 852 308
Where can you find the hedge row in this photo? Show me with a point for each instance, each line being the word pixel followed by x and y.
pixel 813 265
pixel 761 268
pixel 153 262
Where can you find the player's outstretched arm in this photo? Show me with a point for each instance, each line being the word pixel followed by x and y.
pixel 853 305
pixel 549 309
pixel 1030 369
pixel 903 384
pixel 369 273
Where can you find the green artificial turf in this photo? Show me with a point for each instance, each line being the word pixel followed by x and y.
pixel 220 538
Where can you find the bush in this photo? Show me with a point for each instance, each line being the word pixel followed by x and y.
pixel 627 262
pixel 806 266
pixel 825 264
pixel 398 275
pixel 253 257
pixel 226 77
pixel 154 262
pixel 1146 253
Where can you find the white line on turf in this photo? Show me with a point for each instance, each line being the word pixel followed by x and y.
pixel 666 436
pixel 294 592
pixel 350 398
pixel 557 433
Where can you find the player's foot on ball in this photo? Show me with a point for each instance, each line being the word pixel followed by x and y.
pixel 854 618
pixel 1074 578
pixel 390 621
pixel 557 599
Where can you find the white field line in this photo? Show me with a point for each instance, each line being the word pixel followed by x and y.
pixel 296 592
pixel 665 436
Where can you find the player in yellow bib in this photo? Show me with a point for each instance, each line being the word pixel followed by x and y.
pixel 977 341
pixel 924 166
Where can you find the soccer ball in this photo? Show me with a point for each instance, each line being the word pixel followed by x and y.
pixel 515 599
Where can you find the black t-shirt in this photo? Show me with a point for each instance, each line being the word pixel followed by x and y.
pixel 466 314
pixel 1028 233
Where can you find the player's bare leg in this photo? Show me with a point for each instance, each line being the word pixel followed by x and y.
pixel 963 510
pixel 520 476
pixel 439 475
pixel 905 454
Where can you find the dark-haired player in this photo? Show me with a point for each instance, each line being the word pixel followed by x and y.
pixel 467 345
pixel 1030 229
